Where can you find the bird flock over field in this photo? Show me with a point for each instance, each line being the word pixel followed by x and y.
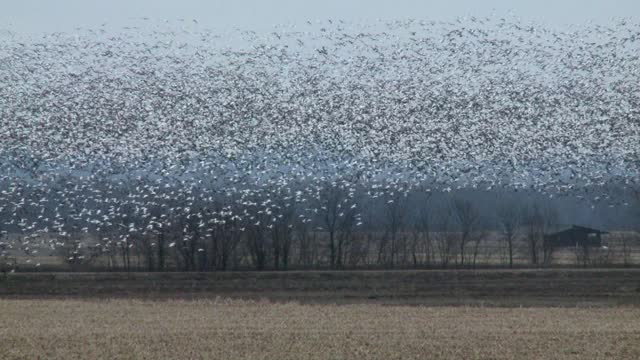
pixel 123 133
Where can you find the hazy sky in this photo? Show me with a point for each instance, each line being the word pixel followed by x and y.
pixel 37 16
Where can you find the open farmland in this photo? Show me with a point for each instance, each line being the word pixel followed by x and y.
pixel 481 314
pixel 237 329
pixel 509 288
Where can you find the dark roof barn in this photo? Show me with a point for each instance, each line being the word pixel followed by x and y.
pixel 576 236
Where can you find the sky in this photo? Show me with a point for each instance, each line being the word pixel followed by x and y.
pixel 45 16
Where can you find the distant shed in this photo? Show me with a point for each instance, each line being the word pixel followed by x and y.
pixel 576 236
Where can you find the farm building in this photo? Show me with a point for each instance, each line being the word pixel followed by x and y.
pixel 576 236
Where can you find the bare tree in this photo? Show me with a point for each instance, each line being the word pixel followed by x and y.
pixel 331 198
pixel 539 220
pixel 625 242
pixel 225 237
pixel 422 239
pixel 550 222
pixel 347 223
pixel 337 213
pixel 358 250
pixel 509 219
pixel 534 232
pixel 444 238
pixel 282 235
pixel 467 218
pixel 394 214
pixel 305 243
pixel 477 237
pixel 189 244
pixel 257 241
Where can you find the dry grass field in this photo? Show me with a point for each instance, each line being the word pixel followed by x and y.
pixel 447 314
pixel 241 329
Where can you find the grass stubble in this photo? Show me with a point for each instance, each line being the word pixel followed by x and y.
pixel 241 329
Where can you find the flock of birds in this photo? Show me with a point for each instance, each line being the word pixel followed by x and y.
pixel 122 134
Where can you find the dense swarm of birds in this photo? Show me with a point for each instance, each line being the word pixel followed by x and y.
pixel 125 134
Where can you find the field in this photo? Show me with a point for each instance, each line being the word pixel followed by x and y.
pixel 463 314
pixel 238 329
pixel 555 287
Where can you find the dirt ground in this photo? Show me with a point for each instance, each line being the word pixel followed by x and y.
pixel 503 288
pixel 241 329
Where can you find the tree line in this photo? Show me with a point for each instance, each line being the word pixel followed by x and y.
pixel 393 232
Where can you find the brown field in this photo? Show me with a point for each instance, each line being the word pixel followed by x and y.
pixel 240 329
pixel 510 288
pixel 444 314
